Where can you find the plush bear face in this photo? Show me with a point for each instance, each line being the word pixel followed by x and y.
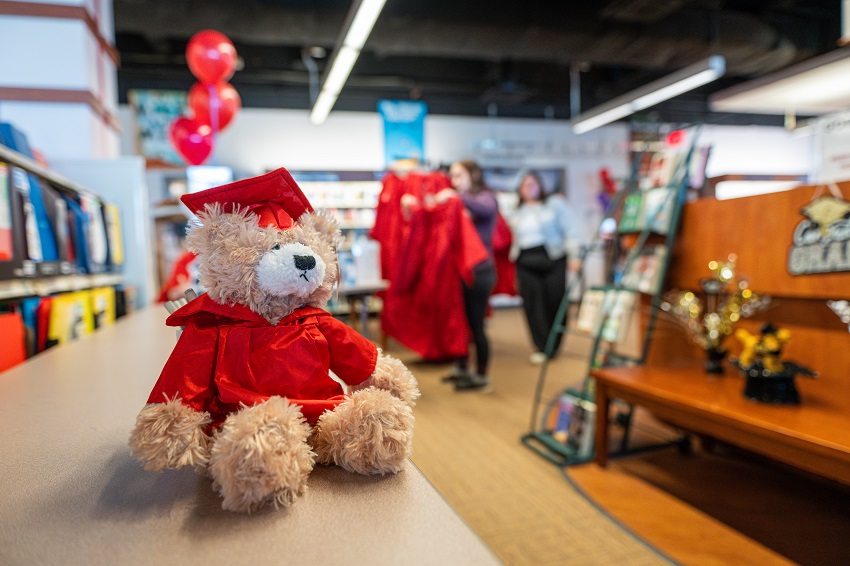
pixel 271 271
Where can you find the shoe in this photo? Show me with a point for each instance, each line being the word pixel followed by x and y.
pixel 537 358
pixel 456 375
pixel 474 382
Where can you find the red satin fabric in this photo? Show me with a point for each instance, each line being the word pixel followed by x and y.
pixel 274 197
pixel 391 228
pixel 505 268
pixel 423 308
pixel 228 356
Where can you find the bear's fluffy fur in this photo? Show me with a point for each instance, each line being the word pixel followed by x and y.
pixel 263 454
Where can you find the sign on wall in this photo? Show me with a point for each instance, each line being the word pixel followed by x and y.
pixel 154 111
pixel 832 144
pixel 404 130
pixel 821 241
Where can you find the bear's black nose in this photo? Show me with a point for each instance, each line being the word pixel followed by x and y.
pixel 304 262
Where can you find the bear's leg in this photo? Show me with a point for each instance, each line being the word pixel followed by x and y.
pixel 260 455
pixel 170 435
pixel 369 433
pixel 392 375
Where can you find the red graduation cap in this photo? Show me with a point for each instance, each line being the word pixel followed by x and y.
pixel 274 197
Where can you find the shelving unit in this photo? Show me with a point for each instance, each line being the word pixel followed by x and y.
pixel 351 196
pixel 44 298
pixel 34 277
pixel 620 316
pixel 44 286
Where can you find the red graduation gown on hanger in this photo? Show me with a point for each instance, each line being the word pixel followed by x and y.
pixel 229 355
pixel 424 306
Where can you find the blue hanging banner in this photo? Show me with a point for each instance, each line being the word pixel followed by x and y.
pixel 404 130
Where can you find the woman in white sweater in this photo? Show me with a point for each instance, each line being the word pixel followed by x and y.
pixel 545 237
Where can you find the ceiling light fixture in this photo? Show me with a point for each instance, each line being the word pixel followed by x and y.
pixel 813 87
pixel 665 88
pixel 359 23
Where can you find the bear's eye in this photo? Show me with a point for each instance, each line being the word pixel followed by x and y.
pixel 275 247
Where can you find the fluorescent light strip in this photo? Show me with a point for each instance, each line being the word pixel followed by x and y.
pixel 603 118
pixel 675 89
pixel 322 107
pixel 355 37
pixel 340 69
pixel 363 22
pixel 649 95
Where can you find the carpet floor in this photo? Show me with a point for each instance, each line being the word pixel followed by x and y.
pixel 657 508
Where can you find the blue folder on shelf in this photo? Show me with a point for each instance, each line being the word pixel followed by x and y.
pixel 79 234
pixel 14 139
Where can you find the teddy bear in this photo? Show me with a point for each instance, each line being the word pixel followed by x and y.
pixel 263 382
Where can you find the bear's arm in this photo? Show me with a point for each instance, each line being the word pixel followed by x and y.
pixel 353 358
pixel 188 373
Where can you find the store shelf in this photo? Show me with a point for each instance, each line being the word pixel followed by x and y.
pixel 40 287
pixel 18 160
pixel 618 288
pixel 169 211
pixel 638 231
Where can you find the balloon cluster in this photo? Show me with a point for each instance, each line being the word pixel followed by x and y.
pixel 728 299
pixel 213 102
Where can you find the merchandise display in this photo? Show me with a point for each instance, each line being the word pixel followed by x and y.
pixel 64 291
pixel 613 314
pixel 728 299
pixel 673 382
pixel 268 263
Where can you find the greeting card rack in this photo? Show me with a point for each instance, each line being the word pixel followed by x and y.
pixel 619 316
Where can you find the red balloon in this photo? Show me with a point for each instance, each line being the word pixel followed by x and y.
pixel 226 98
pixel 211 56
pixel 675 138
pixel 192 140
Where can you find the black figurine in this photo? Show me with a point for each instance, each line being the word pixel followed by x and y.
pixel 769 380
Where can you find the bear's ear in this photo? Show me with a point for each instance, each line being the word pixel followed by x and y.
pixel 322 222
pixel 203 229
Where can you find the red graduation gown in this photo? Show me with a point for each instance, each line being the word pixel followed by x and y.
pixel 228 356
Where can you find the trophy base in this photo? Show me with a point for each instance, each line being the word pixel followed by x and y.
pixel 714 363
pixel 777 389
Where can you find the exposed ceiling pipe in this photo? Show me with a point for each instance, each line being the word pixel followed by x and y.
pixel 751 46
pixel 575 89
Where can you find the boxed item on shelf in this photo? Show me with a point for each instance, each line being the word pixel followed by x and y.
pixel 71 317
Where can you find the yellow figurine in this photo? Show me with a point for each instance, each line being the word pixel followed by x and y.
pixel 765 348
pixel 769 380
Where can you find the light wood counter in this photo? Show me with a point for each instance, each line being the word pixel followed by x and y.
pixel 71 493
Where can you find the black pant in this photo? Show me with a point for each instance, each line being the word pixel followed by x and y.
pixel 542 284
pixel 476 298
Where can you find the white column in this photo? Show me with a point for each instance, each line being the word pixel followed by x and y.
pixel 58 83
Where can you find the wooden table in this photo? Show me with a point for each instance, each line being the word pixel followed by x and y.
pixel 814 436
pixel 71 493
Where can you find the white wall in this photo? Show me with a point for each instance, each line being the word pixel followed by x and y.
pixel 62 130
pixel 260 140
pixel 56 54
pixel 761 150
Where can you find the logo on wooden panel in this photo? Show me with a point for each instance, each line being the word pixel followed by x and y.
pixel 820 243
